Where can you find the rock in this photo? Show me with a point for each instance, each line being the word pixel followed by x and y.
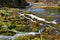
pixel 13 3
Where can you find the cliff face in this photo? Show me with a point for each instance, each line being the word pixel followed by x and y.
pixel 13 3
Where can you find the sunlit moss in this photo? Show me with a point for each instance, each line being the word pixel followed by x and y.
pixel 3 11
pixel 7 32
pixel 22 38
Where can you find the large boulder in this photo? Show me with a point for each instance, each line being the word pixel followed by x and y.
pixel 13 3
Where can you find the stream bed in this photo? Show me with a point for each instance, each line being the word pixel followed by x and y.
pixel 37 14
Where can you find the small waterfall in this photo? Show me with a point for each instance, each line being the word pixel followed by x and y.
pixel 42 29
pixel 6 37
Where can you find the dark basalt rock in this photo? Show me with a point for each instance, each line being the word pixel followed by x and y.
pixel 13 3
